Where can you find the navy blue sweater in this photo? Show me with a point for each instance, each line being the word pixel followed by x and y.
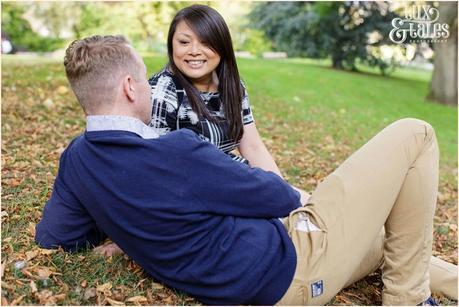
pixel 183 210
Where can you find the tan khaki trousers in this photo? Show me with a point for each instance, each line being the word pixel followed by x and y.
pixel 390 182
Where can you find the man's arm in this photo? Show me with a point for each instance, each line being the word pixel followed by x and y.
pixel 217 184
pixel 65 222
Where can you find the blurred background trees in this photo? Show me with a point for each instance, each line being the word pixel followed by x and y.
pixel 344 31
pixel 19 31
pixel 348 34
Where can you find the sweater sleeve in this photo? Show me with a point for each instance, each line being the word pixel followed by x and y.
pixel 65 222
pixel 222 186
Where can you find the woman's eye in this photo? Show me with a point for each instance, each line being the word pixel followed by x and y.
pixel 184 42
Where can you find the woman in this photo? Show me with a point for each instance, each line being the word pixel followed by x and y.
pixel 200 88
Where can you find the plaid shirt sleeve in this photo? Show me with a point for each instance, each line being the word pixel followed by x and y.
pixel 164 103
pixel 247 116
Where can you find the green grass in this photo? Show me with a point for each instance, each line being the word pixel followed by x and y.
pixel 311 117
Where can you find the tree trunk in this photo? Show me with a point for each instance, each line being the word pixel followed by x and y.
pixel 443 87
pixel 337 61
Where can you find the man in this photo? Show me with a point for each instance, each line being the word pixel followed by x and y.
pixel 202 223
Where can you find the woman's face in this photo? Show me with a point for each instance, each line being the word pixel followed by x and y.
pixel 194 58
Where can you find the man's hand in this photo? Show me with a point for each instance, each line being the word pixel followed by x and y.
pixel 304 195
pixel 108 249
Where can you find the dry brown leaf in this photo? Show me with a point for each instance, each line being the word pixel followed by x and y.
pixel 150 296
pixel 47 252
pixel 105 289
pixel 84 284
pixel 7 286
pixel 17 301
pixel 59 297
pixel 157 286
pixel 33 287
pixel 114 302
pixel 49 103
pixel 4 301
pixel 118 296
pixel 27 273
pixel 138 299
pixel 31 229
pixel 44 297
pixel 2 268
pixel 31 254
pixel 89 293
pixel 62 90
pixel 169 300
pixel 43 272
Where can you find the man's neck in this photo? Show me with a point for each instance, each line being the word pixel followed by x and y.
pixel 120 123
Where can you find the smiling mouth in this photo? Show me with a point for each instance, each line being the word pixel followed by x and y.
pixel 195 63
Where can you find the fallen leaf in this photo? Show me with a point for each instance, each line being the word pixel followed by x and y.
pixel 44 297
pixel 150 296
pixel 48 103
pixel 7 286
pixel 59 297
pixel 62 90
pixel 17 301
pixel 27 273
pixel 2 268
pixel 47 252
pixel 4 301
pixel 20 264
pixel 114 302
pixel 157 286
pixel 138 299
pixel 89 293
pixel 84 283
pixel 31 229
pixel 105 288
pixel 43 272
pixel 33 286
pixel 31 254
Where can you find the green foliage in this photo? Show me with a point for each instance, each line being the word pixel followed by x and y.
pixel 341 30
pixel 255 42
pixel 90 19
pixel 20 31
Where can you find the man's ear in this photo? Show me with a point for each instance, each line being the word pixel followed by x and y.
pixel 128 87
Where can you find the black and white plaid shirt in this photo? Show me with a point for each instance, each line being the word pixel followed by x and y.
pixel 172 111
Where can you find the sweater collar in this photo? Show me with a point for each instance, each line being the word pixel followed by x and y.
pixel 118 122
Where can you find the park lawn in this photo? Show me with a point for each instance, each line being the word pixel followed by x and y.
pixel 311 118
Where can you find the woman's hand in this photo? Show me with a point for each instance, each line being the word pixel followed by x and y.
pixel 108 249
pixel 304 195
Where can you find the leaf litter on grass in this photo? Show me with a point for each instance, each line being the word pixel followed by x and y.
pixel 39 118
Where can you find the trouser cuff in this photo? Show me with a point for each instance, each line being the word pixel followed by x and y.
pixel 399 300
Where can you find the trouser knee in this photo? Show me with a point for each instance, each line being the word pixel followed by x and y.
pixel 413 124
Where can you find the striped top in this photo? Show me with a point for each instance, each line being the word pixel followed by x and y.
pixel 172 111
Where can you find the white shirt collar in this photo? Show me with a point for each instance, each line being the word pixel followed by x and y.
pixel 118 122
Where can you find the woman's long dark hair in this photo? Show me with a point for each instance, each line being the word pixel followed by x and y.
pixel 211 28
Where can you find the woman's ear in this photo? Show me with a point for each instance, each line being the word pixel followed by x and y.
pixel 128 87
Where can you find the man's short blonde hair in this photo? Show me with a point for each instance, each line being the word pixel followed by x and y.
pixel 95 66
